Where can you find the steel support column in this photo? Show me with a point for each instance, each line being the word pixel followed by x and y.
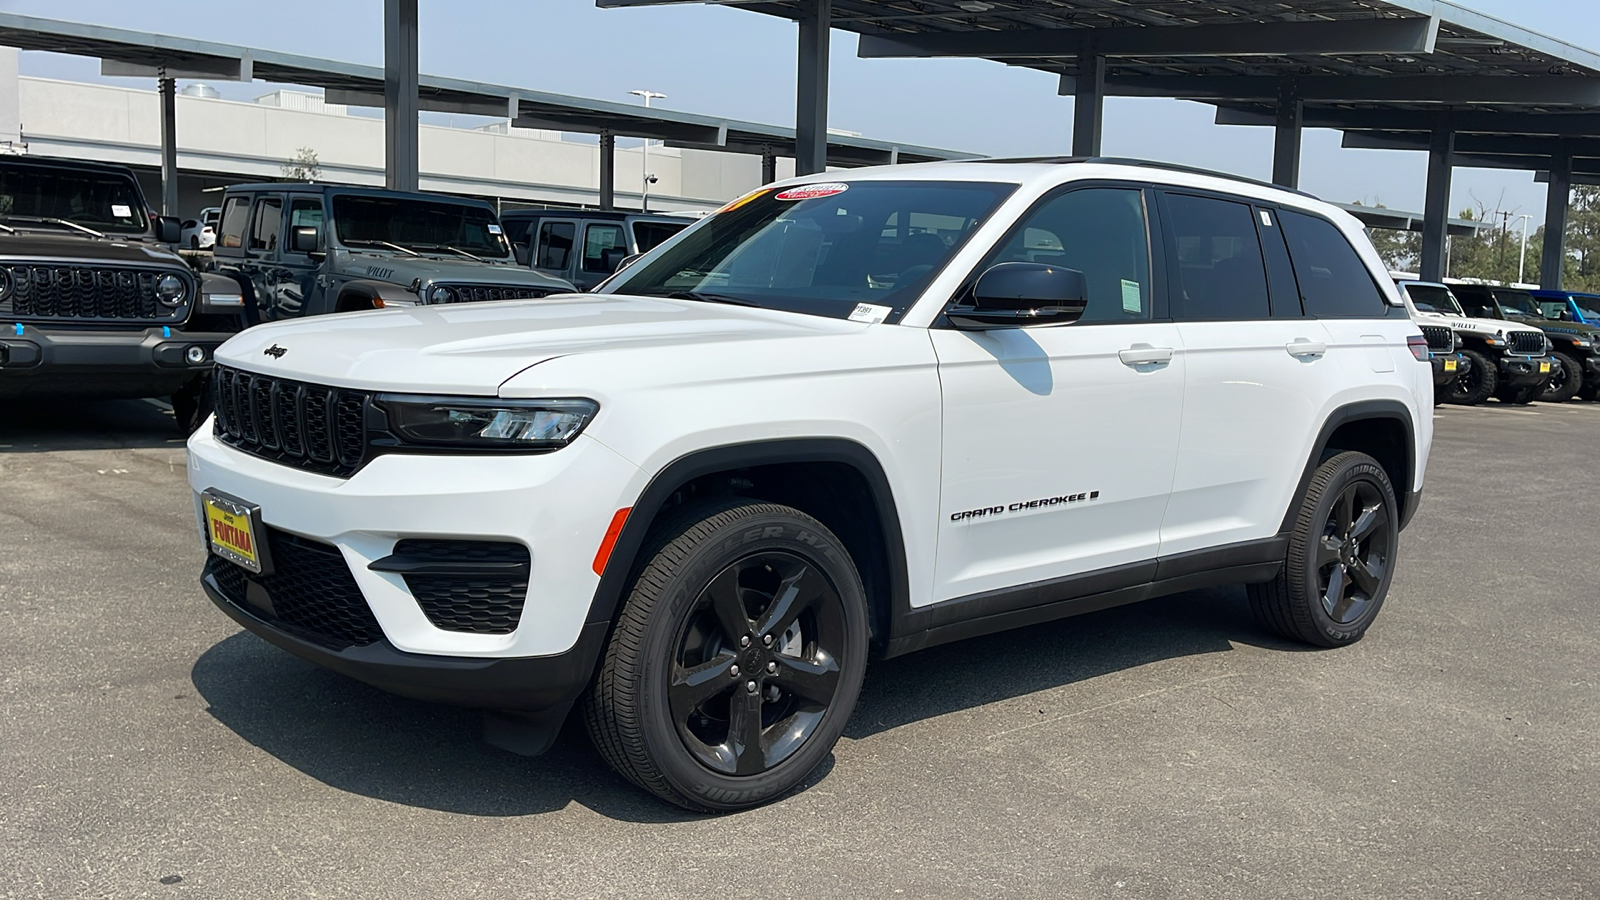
pixel 400 158
pixel 1555 222
pixel 169 146
pixel 1287 139
pixel 769 165
pixel 811 92
pixel 608 170
pixel 1436 209
pixel 1088 106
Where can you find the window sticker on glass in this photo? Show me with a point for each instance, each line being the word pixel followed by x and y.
pixel 122 210
pixel 813 191
pixel 493 228
pixel 870 313
pixel 1266 218
pixel 1132 297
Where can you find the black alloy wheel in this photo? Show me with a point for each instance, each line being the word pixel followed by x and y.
pixel 1477 383
pixel 737 657
pixel 1566 377
pixel 1340 559
pixel 757 664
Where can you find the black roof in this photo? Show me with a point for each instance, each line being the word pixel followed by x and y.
pixel 306 187
pixel 69 163
pixel 615 215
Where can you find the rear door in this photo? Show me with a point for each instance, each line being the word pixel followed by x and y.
pixel 262 244
pixel 604 246
pixel 1255 377
pixel 553 248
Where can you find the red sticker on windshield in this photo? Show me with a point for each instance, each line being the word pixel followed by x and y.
pixel 813 191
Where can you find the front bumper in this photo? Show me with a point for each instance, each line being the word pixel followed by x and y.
pixel 1524 371
pixel 1444 372
pixel 145 362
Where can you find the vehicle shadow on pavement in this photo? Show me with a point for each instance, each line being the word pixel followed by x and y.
pixel 356 738
pixel 69 423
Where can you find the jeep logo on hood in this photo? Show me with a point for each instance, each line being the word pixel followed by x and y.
pixel 275 351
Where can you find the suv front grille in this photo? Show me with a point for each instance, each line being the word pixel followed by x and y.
pixel 1528 342
pixel 472 293
pixel 476 597
pixel 310 593
pixel 87 294
pixel 1440 339
pixel 320 429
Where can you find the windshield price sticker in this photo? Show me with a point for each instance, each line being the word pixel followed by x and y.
pixel 494 229
pixel 122 210
pixel 870 313
pixel 813 191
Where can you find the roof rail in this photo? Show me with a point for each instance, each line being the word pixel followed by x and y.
pixel 1192 170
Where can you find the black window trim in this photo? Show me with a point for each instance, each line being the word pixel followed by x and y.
pixel 1154 225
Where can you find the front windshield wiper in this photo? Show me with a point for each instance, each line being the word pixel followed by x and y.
pixel 452 250
pixel 8 228
pixel 376 243
pixel 51 220
pixel 702 296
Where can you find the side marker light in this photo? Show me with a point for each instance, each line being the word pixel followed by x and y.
pixel 610 541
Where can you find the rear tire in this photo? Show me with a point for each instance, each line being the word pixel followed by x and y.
pixel 1589 391
pixel 1341 556
pixel 1475 385
pixel 1519 396
pixel 736 660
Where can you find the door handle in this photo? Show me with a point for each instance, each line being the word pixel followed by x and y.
pixel 1303 347
pixel 1144 354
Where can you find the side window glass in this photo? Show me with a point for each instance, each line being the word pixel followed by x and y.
pixel 555 245
pixel 305 211
pixel 269 221
pixel 235 218
pixel 1334 282
pixel 1220 272
pixel 1101 232
pixel 603 244
pixel 652 234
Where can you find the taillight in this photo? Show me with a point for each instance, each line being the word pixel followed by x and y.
pixel 1419 347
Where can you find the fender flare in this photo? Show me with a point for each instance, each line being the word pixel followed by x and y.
pixel 624 560
pixel 1355 412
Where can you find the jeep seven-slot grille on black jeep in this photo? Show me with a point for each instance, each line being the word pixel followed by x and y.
pixel 472 293
pixel 471 586
pixel 1529 342
pixel 320 429
pixel 1440 339
pixel 310 592
pixel 88 294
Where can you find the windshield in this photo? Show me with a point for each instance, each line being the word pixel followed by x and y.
pixel 98 200
pixel 423 225
pixel 1587 307
pixel 821 249
pixel 1554 309
pixel 1518 303
pixel 1433 299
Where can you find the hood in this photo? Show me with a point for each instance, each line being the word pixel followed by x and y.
pixel 403 270
pixel 471 349
pixel 1468 325
pixel 49 243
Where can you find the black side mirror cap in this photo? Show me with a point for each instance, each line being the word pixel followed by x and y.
pixel 522 253
pixel 304 239
pixel 1019 294
pixel 168 229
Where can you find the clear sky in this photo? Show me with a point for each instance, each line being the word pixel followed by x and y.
pixel 722 61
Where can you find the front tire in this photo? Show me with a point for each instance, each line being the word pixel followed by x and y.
pixel 737 658
pixel 1566 378
pixel 191 405
pixel 1477 383
pixel 1519 396
pixel 1341 556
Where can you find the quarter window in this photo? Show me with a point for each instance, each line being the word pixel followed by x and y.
pixel 555 245
pixel 1220 272
pixel 269 221
pixel 602 244
pixel 235 219
pixel 1102 233
pixel 1334 282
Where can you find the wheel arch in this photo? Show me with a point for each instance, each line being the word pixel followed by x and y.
pixel 1382 429
pixel 772 470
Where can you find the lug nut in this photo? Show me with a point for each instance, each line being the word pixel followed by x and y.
pixel 772 668
pixel 750 686
pixel 766 639
pixel 734 671
pixel 744 641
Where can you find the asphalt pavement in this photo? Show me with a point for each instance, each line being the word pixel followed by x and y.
pixel 149 748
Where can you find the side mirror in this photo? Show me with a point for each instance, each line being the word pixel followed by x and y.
pixel 625 262
pixel 304 239
pixel 1018 294
pixel 523 254
pixel 168 229
pixel 611 259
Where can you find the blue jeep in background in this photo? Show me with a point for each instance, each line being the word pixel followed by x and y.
pixel 1571 306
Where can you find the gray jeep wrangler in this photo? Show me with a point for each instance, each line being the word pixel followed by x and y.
pixel 308 249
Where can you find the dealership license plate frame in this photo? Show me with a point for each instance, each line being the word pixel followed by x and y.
pixel 217 506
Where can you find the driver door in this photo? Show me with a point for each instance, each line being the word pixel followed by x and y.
pixel 1060 443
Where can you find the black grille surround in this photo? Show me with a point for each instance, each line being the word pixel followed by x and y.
pixel 310 592
pixel 320 429
pixel 471 586
pixel 1530 343
pixel 473 293
pixel 1440 338
pixel 77 293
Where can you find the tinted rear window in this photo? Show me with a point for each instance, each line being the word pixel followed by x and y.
pixel 1334 282
pixel 1220 271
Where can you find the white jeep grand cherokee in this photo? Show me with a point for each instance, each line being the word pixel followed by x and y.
pixel 858 416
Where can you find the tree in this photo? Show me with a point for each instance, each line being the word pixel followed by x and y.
pixel 304 166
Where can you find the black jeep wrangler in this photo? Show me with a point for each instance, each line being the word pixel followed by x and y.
pixel 93 301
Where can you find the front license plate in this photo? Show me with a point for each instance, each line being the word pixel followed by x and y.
pixel 1449 365
pixel 1544 367
pixel 231 531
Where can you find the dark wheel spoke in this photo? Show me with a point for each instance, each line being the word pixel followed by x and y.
pixel 1327 551
pixel 692 687
pixel 1344 510
pixel 1335 591
pixel 813 680
pixel 1367 576
pixel 727 605
pixel 794 594
pixel 744 733
pixel 1371 519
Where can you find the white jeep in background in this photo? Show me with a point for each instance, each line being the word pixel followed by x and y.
pixel 866 413
pixel 1499 355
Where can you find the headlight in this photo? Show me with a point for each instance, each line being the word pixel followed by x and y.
pixel 488 424
pixel 171 290
pixel 5 284
pixel 440 294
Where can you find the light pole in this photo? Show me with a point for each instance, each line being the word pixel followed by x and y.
pixel 1522 260
pixel 644 196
